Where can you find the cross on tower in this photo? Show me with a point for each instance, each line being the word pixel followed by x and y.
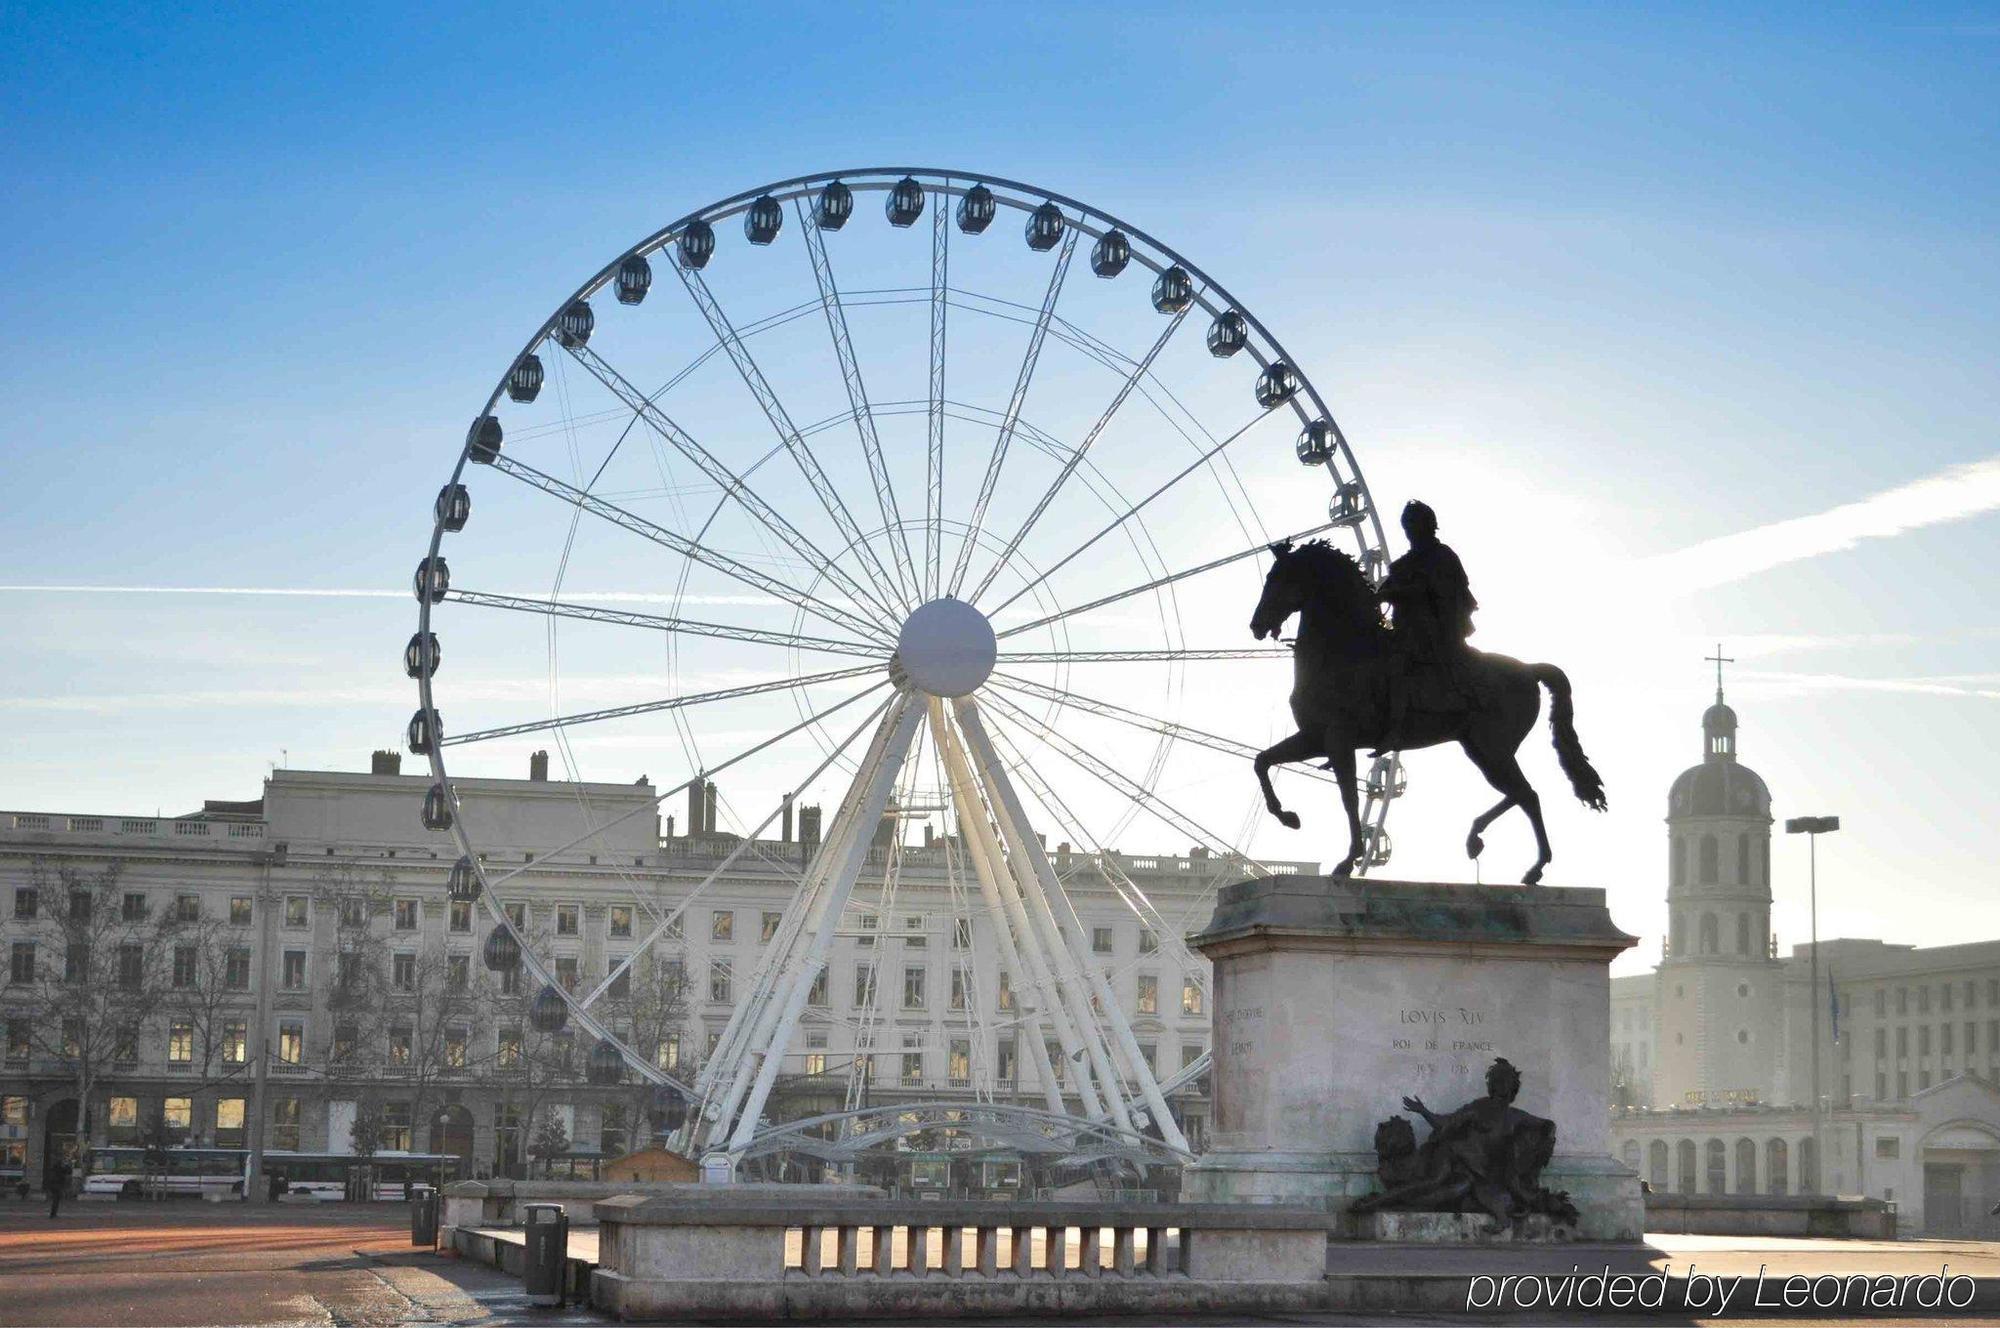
pixel 1718 659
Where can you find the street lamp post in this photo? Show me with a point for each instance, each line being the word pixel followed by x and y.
pixel 1813 827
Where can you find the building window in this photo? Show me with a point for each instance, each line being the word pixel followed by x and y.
pixel 1005 1000
pixel 403 972
pixel 285 1124
pixel 1191 1002
pixel 239 910
pixel 621 921
pixel 184 966
pixel 180 1043
pixel 1100 940
pixel 235 1044
pixel 913 933
pixel 458 917
pixel 517 913
pixel 722 925
pixel 1149 993
pixel 133 907
pixel 292 1041
pixel 816 994
pixel 24 909
pixel 124 1120
pixel 961 933
pixel 719 974
pixel 298 911
pixel 1680 861
pixel 396 1126
pixel 567 917
pixel 458 971
pixel 21 963
pixel 958 989
pixel 866 926
pixel 913 988
pixel 913 1060
pixel 1149 1053
pixel 17 1042
pixel 566 972
pixel 668 1054
pixel 454 1048
pixel 958 1063
pixel 1923 1039
pixel 236 968
pixel 816 1053
pixel 1003 1060
pixel 508 1049
pixel 1710 942
pixel 1888 1147
pixel 187 908
pixel 131 967
pixel 769 926
pixel 1711 855
pixel 229 1115
pixel 402 1040
pixel 1149 941
pixel 346 1041
pixel 177 1114
pixel 864 985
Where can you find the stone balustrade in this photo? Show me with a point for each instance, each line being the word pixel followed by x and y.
pixel 497 1203
pixel 739 1255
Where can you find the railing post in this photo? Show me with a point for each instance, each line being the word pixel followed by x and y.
pixel 954 1251
pixel 1024 1251
pixel 1156 1251
pixel 1122 1243
pixel 850 1250
pixel 987 1250
pixel 885 1251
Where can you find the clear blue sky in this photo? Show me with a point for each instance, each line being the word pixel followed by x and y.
pixel 1603 287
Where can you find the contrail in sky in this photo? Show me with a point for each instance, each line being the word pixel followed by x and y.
pixel 570 597
pixel 1935 500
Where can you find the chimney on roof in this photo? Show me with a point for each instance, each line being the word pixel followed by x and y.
pixel 695 803
pixel 538 767
pixel 708 806
pixel 385 763
pixel 809 822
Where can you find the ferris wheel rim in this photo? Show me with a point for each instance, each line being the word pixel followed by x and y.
pixel 1210 295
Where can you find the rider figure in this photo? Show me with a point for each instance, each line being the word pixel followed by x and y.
pixel 1433 603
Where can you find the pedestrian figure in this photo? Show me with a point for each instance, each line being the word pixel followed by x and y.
pixel 58 1182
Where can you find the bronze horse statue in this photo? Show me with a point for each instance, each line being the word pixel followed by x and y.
pixel 1344 665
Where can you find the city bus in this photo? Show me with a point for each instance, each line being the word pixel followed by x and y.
pixel 131 1172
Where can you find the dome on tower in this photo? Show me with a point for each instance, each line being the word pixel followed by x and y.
pixel 1721 785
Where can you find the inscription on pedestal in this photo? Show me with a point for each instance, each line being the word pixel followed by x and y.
pixel 1445 1046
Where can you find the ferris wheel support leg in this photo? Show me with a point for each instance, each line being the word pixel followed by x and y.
pixel 1051 996
pixel 1030 848
pixel 1037 882
pixel 861 810
pixel 965 796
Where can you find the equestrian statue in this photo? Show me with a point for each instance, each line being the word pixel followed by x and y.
pixel 1408 682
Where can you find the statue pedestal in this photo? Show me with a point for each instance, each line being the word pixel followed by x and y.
pixel 1334 999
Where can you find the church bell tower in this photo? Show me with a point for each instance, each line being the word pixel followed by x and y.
pixel 1719 987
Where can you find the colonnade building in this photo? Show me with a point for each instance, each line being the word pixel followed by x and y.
pixel 328 873
pixel 1712 1054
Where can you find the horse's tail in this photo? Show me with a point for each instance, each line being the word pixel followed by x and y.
pixel 1583 776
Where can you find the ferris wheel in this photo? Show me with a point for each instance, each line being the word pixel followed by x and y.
pixel 908 491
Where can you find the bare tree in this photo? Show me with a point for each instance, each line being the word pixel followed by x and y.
pixel 650 1012
pixel 206 998
pixel 98 973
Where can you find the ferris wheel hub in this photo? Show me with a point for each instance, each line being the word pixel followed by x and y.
pixel 947 647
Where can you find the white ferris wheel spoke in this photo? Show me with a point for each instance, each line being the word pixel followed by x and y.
pixel 1052 738
pixel 1130 512
pixel 743 845
pixel 1139 370
pixel 1026 375
pixel 857 398
pixel 934 450
pixel 655 707
pixel 1147 723
pixel 1167 580
pixel 662 623
pixel 692 550
pixel 1142 656
pixel 788 434
pixel 732 485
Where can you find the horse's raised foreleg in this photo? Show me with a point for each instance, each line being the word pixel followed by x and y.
pixel 1474 845
pixel 1340 756
pixel 1503 772
pixel 1298 747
